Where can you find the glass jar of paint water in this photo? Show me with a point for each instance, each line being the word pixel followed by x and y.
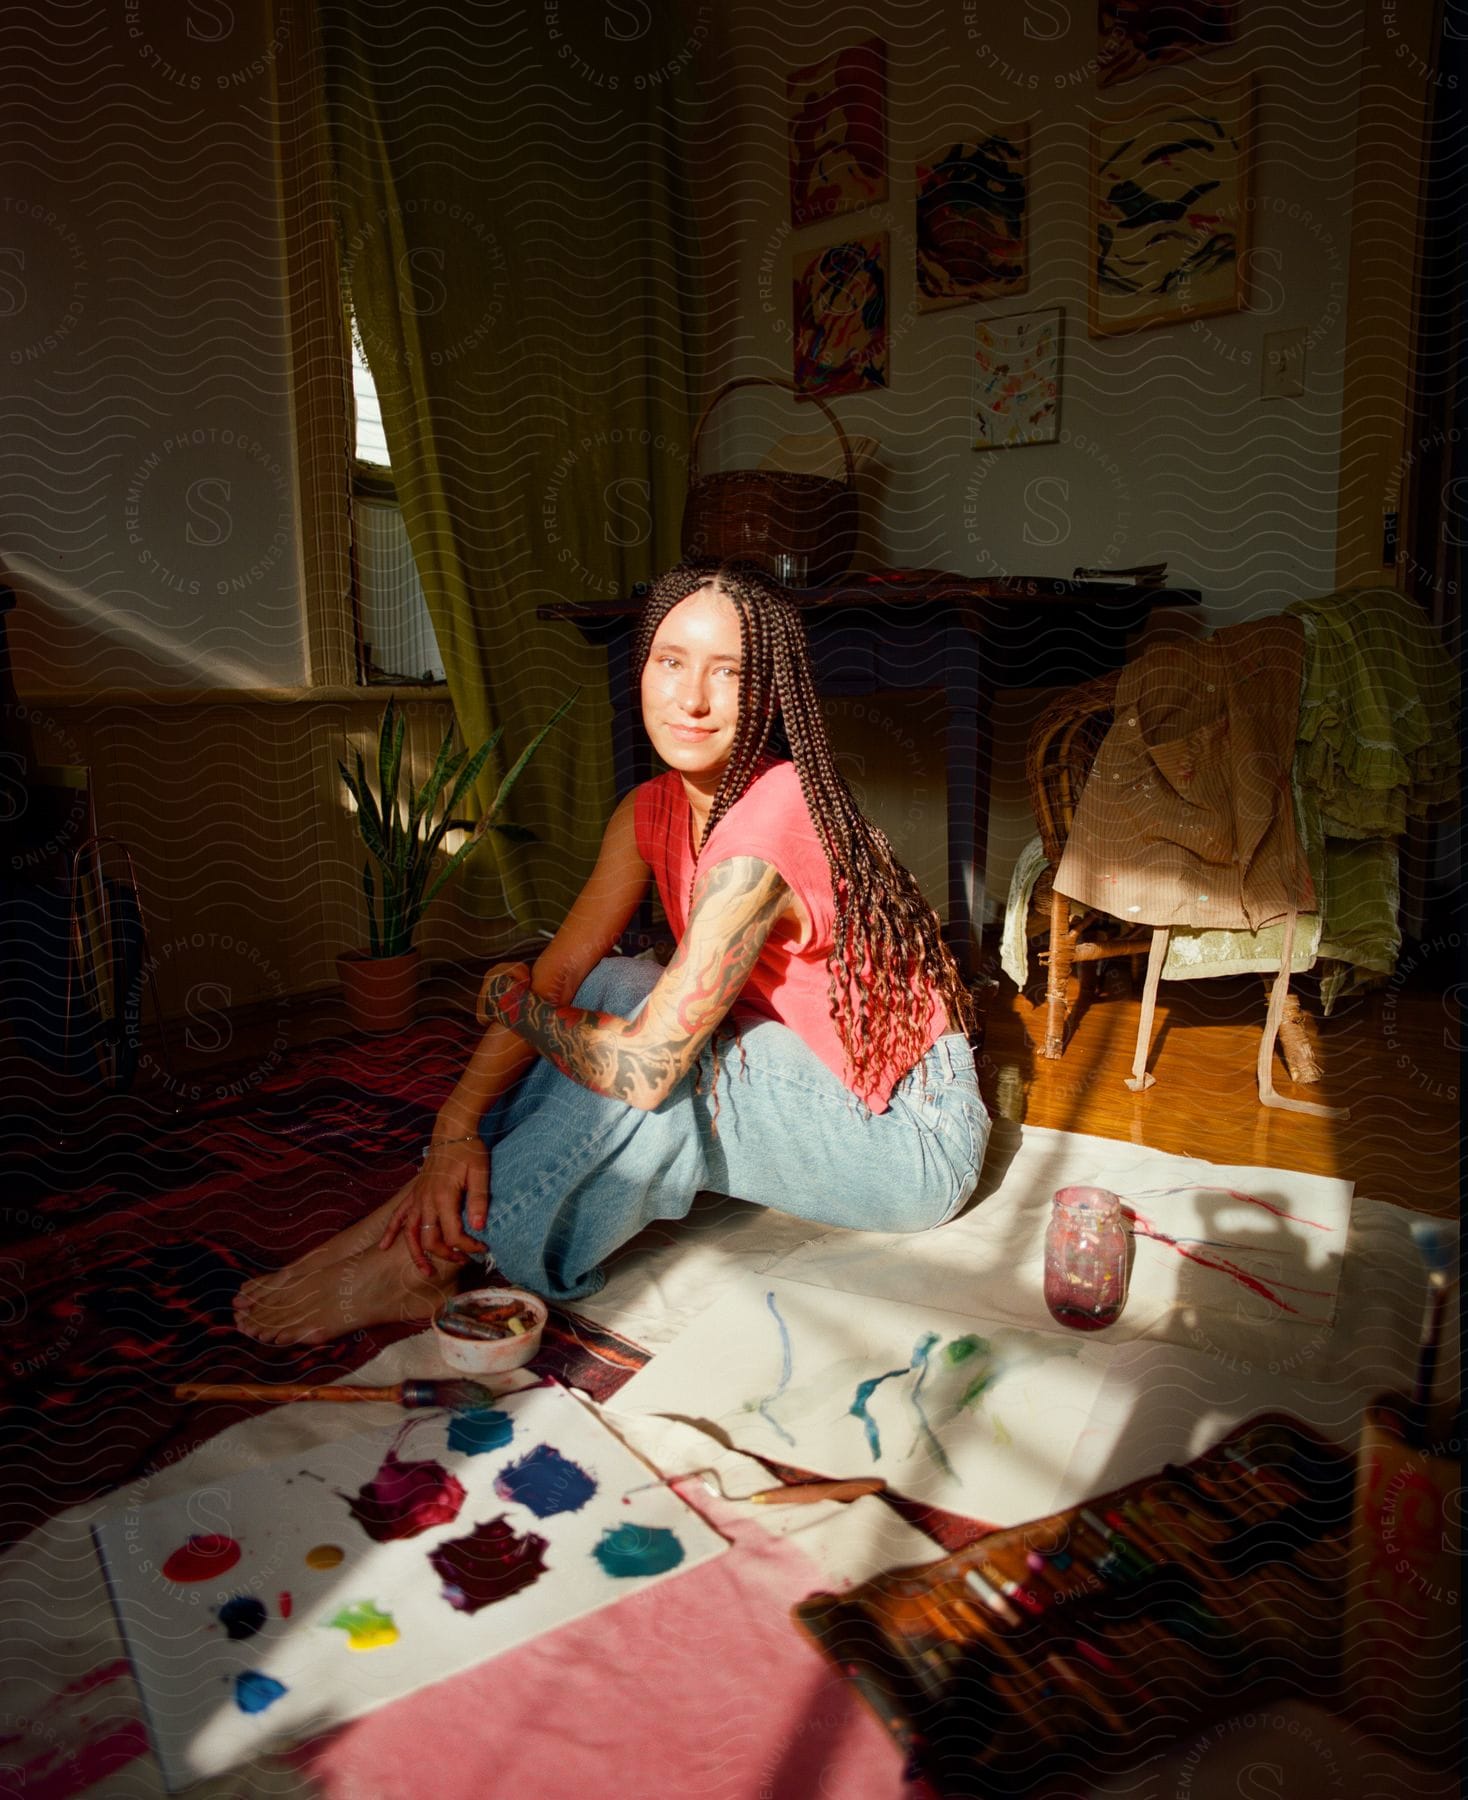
pixel 1085 1258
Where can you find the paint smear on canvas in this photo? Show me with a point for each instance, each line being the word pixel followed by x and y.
pixel 628 1550
pixel 366 1625
pixel 253 1692
pixel 243 1616
pixel 922 1350
pixel 202 1558
pixel 480 1428
pixel 325 1556
pixel 546 1482
pixel 286 1605
pixel 490 1564
pixel 762 1407
pixel 858 1408
pixel 1187 1248
pixel 405 1498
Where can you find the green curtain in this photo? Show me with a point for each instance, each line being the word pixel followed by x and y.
pixel 518 245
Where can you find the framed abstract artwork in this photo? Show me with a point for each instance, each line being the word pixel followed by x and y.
pixel 1136 35
pixel 1017 379
pixel 1169 211
pixel 972 218
pixel 839 308
pixel 836 121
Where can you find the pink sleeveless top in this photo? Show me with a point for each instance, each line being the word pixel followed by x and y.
pixel 790 982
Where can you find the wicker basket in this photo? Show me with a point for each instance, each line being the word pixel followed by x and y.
pixel 755 515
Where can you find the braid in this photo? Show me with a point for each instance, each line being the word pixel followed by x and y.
pixel 888 951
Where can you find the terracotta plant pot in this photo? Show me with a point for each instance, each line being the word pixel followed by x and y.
pixel 381 992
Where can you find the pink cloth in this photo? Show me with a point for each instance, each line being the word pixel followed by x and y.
pixel 702 1685
pixel 790 982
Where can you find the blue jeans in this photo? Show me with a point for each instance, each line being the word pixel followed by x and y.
pixel 574 1175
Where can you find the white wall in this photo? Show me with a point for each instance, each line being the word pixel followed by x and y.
pixel 147 493
pixel 1167 449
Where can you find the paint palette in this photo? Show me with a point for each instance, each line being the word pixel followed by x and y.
pixel 312 1589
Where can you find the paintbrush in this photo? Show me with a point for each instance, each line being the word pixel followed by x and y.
pixel 800 1493
pixel 1436 1242
pixel 453 1396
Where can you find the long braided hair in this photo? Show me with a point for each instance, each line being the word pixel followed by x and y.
pixel 888 954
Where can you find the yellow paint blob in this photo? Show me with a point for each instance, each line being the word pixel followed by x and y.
pixel 365 1626
pixel 325 1556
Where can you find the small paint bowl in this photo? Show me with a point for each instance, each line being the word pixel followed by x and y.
pixel 487 1331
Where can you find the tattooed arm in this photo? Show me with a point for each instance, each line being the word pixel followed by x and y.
pixel 735 906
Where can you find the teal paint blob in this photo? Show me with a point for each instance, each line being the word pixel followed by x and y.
pixel 479 1429
pixel 546 1482
pixel 253 1692
pixel 638 1550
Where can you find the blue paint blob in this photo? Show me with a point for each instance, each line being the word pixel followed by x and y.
pixel 243 1616
pixel 638 1550
pixel 546 1482
pixel 479 1429
pixel 253 1692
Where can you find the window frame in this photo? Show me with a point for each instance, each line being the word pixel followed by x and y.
pixel 328 475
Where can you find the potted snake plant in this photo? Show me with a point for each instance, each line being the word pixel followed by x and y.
pixel 380 983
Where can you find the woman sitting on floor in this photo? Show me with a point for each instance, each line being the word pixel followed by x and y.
pixel 841 1088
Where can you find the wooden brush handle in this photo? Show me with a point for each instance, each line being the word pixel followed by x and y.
pixel 290 1390
pixel 806 1493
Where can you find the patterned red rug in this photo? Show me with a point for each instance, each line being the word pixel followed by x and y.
pixel 123 1241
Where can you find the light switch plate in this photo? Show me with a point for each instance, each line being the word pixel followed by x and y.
pixel 1283 376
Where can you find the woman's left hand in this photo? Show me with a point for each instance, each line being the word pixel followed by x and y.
pixel 501 994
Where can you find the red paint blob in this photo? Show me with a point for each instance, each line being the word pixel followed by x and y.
pixel 490 1564
pixel 202 1557
pixel 284 1604
pixel 404 1498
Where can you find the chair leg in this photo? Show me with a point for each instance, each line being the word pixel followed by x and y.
pixel 1057 999
pixel 1297 1041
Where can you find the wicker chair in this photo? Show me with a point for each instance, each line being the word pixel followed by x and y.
pixel 1063 746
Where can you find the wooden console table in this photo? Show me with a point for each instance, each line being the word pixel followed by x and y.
pixel 913 630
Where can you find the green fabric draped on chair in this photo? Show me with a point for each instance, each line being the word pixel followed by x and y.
pixel 517 244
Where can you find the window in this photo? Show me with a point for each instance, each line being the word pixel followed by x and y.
pixel 397 640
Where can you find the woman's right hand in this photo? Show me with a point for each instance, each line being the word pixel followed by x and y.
pixel 430 1209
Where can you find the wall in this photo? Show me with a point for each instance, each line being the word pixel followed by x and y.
pixel 247 855
pixel 148 510
pixel 1167 450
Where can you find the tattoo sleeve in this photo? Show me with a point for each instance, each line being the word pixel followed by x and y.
pixel 735 906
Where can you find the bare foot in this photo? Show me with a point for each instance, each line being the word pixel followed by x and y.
pixel 351 1242
pixel 312 1302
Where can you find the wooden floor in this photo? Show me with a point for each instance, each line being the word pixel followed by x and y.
pixel 1389 1057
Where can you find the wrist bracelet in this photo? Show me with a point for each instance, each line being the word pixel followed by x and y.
pixel 470 1137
